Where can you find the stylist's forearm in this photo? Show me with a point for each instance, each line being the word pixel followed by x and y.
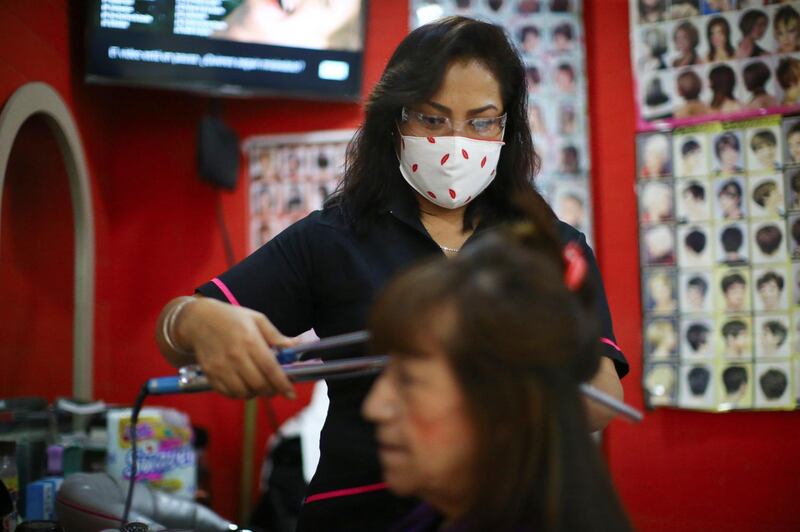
pixel 174 357
pixel 605 380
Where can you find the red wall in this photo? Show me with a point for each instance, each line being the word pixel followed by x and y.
pixel 156 238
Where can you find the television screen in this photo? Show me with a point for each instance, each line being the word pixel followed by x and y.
pixel 298 48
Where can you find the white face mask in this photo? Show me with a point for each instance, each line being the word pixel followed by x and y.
pixel 449 171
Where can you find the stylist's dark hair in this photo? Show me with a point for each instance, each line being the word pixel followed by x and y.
pixel 518 342
pixel 698 378
pixel 773 383
pixel 414 73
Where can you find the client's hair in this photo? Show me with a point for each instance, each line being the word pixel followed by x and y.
pixel 519 342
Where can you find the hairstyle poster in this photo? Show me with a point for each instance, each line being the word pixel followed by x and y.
pixel 701 60
pixel 290 176
pixel 550 39
pixel 719 212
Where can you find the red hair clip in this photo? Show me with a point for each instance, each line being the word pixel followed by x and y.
pixel 576 266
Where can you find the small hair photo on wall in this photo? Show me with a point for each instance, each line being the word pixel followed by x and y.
pixel 721 32
pixel 788 75
pixel 755 41
pixel 691 93
pixel 727 150
pixel 772 336
pixel 725 88
pixel 735 333
pixel 660 339
pixel 794 286
pixel 791 140
pixel 736 389
pixel 785 25
pixel 769 242
pixel 564 6
pixel 529 38
pixel 659 245
pixel 693 202
pixel 651 11
pixel 697 338
pixel 563 36
pixel 534 76
pixel 792 178
pixel 528 7
pixel 766 196
pixel 657 201
pixel 773 388
pixel 570 205
pixel 651 48
pixel 695 249
pixel 770 289
pixel 696 388
pixel 683 9
pixel 565 78
pixel 794 334
pixel 685 38
pixel 695 291
pixel 764 149
pixel 661 384
pixel 732 244
pixel 729 198
pixel 654 155
pixel 794 236
pixel 691 155
pixel 660 292
pixel 759 83
pixel 656 95
pixel 712 7
pixel 733 290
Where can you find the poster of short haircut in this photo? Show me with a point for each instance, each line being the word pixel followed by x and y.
pixel 695 61
pixel 720 262
pixel 549 35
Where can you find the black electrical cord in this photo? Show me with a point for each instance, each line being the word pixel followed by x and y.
pixel 137 407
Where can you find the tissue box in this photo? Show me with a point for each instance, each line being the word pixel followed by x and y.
pixel 165 455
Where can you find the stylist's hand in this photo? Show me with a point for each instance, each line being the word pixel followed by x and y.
pixel 233 346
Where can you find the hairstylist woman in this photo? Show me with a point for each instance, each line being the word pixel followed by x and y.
pixel 444 150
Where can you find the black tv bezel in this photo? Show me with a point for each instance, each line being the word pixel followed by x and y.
pixel 145 76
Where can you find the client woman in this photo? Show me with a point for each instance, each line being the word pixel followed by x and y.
pixel 478 412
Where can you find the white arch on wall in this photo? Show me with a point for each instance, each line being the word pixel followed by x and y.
pixel 41 99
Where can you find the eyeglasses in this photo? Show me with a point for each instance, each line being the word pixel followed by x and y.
pixel 422 125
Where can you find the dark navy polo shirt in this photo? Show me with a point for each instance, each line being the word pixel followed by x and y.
pixel 320 274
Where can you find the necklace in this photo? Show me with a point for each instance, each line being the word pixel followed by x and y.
pixel 449 250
